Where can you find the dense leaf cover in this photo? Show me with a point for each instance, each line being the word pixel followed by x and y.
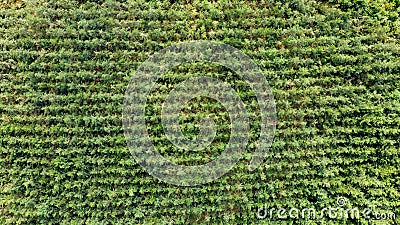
pixel 333 66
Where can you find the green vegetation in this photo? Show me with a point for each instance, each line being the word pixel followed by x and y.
pixel 333 66
pixel 6 4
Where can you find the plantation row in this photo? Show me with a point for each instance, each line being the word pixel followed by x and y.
pixel 333 67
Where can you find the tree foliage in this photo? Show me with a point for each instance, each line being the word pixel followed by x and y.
pixel 333 66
